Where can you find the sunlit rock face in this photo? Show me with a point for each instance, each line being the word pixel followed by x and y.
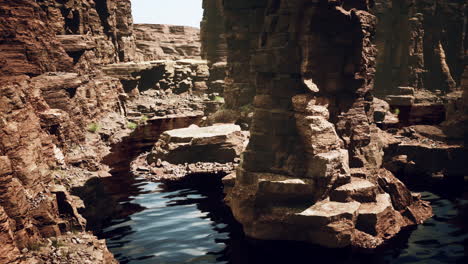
pixel 312 170
pixel 219 143
pixel 167 42
pixel 50 89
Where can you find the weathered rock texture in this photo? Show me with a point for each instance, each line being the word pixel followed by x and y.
pixel 422 55
pixel 166 88
pixel 243 24
pixel 167 42
pixel 421 44
pixel 213 38
pixel 49 93
pixel 96 31
pixel 43 118
pixel 214 46
pixel 178 76
pixel 219 143
pixel 312 170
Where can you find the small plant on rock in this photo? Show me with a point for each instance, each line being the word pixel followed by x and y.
pixel 94 128
pixel 132 125
pixel 218 99
pixel 143 119
pixel 397 111
pixel 56 243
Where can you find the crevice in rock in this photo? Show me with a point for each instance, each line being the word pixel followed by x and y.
pixel 103 12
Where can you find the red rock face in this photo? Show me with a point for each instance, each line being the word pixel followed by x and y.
pixel 167 42
pixel 43 114
pixel 28 45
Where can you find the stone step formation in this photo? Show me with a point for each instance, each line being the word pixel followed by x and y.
pixel 353 214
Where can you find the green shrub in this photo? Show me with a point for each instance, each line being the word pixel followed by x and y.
pixel 396 111
pixel 132 125
pixel 246 108
pixel 218 99
pixel 144 119
pixel 56 243
pixel 94 128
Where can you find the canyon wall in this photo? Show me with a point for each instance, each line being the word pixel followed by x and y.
pixel 421 44
pixel 213 39
pixel 50 91
pixel 422 56
pixel 303 69
pixel 167 42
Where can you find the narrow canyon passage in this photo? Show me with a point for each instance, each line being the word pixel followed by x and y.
pixel 233 131
pixel 186 221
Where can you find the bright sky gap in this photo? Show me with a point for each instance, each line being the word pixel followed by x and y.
pixel 172 12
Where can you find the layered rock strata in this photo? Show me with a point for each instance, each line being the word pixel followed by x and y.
pixel 49 94
pixel 219 143
pixel 165 88
pixel 178 76
pixel 422 50
pixel 312 170
pixel 214 45
pixel 167 42
pixel 421 44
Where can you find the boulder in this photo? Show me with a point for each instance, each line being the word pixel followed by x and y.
pixel 326 212
pixel 379 218
pixel 219 143
pixel 357 190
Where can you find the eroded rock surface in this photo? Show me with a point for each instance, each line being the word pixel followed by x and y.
pixel 219 143
pixel 167 42
pixel 50 92
pixel 313 168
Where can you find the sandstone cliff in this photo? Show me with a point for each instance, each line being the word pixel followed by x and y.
pixel 166 42
pixel 49 93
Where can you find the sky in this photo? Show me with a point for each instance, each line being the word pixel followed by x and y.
pixel 173 12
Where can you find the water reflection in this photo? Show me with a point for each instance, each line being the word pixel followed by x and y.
pixel 187 222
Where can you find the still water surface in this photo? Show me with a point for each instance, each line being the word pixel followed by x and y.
pixel 188 223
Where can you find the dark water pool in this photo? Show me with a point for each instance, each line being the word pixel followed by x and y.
pixel 187 222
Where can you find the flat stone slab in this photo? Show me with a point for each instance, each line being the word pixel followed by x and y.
pixel 194 132
pixel 286 190
pixel 191 62
pixel 400 100
pixel 357 190
pixel 325 212
pixel 383 203
pixel 219 143
pixel 74 43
